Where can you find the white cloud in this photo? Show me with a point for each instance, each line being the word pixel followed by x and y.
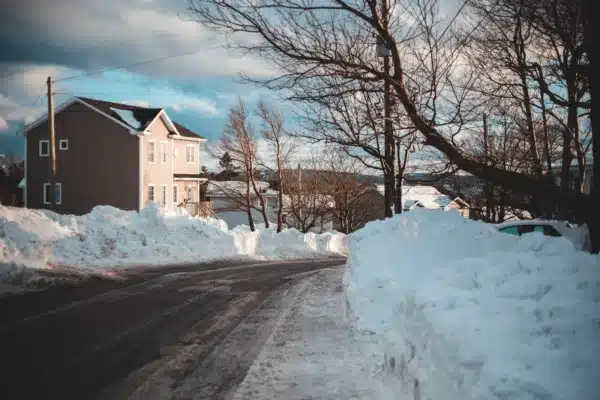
pixel 204 106
pixel 138 103
pixel 110 33
pixel 10 110
pixel 3 124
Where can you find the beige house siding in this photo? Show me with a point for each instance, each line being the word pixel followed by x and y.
pixel 181 166
pixel 99 167
pixel 159 172
pixel 461 209
pixel 183 188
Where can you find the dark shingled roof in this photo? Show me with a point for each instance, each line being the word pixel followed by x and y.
pixel 183 131
pixel 142 115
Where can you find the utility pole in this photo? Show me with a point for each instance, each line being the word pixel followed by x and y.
pixel 487 187
pixel 301 198
pixel 389 148
pixel 52 145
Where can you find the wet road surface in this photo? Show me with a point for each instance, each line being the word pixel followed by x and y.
pixel 179 332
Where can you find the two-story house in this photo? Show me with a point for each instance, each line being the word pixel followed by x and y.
pixel 113 154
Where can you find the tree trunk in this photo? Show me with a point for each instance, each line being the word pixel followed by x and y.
pixel 398 206
pixel 261 198
pixel 591 36
pixel 280 208
pixel 280 194
pixel 249 204
pixel 487 188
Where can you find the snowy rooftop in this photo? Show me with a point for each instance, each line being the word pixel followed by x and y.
pixel 225 188
pixel 129 117
pixel 427 196
pixel 322 199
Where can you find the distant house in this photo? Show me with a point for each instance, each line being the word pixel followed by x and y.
pixel 228 202
pixel 228 199
pixel 422 196
pixel 574 169
pixel 307 209
pixel 414 196
pixel 113 154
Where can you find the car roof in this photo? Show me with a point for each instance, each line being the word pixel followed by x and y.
pixel 520 222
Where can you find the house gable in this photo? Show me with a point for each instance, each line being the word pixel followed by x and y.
pixel 67 105
pixel 458 201
pixel 176 131
pixel 98 154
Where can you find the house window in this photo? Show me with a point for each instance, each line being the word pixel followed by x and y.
pixel 163 198
pixel 63 144
pixel 150 193
pixel 163 152
pixel 190 155
pixel 44 148
pixel 58 198
pixel 175 194
pixel 151 151
pixel 190 193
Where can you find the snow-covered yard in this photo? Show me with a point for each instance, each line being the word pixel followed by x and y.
pixel 34 240
pixel 461 311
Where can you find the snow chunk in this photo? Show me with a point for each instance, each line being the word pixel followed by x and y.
pixel 472 313
pixel 128 117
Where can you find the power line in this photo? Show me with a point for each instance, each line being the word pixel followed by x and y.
pixel 455 16
pixel 117 94
pixel 137 63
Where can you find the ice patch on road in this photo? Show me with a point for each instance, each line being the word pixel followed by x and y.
pixel 312 353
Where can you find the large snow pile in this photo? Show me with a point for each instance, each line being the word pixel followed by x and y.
pixel 112 237
pixel 466 312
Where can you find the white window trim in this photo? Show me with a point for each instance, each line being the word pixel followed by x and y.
pixel 40 148
pixel 189 192
pixel 166 153
pixel 164 195
pixel 175 195
pixel 192 146
pixel 148 152
pixel 61 142
pixel 153 186
pixel 47 185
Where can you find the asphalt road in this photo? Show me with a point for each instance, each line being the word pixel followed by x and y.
pixel 183 332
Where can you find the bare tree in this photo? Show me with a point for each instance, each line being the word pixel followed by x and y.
pixel 307 202
pixel 560 75
pixel 305 39
pixel 239 142
pixel 351 117
pixel 345 180
pixel 281 145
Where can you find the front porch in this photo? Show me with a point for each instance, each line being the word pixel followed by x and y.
pixel 189 192
pixel 199 209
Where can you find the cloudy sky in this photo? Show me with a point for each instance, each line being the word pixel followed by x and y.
pixel 83 43
pixel 71 38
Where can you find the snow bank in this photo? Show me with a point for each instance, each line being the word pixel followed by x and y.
pixel 466 312
pixel 109 237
